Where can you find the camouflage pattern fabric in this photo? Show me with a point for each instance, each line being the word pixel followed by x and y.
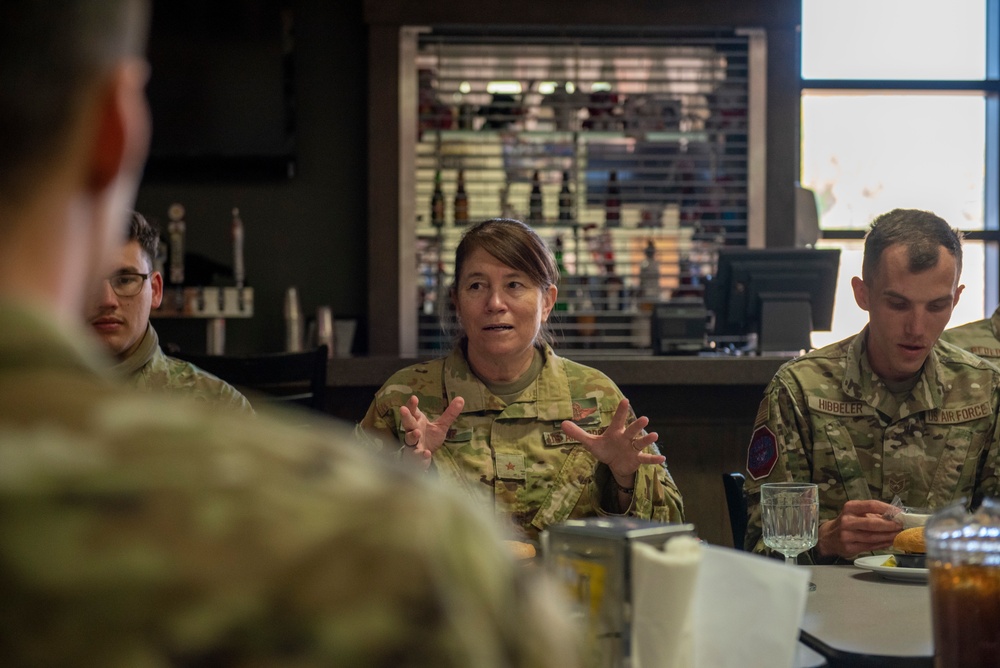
pixel 834 423
pixel 515 458
pixel 151 533
pixel 981 337
pixel 147 368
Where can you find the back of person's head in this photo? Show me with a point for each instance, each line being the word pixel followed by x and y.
pixel 922 233
pixel 51 52
pixel 148 237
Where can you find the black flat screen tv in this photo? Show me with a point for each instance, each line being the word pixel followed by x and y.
pixel 221 90
pixel 780 295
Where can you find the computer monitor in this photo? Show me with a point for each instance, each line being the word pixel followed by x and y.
pixel 779 294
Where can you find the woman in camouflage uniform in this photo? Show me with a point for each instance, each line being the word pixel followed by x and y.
pixel 539 438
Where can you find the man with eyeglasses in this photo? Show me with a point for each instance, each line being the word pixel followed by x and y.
pixel 119 314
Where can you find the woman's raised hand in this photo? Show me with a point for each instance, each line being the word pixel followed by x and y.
pixel 421 436
pixel 620 446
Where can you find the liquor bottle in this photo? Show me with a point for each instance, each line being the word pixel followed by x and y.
pixel 561 304
pixel 614 286
pixel 649 278
pixel 176 229
pixel 506 210
pixel 613 202
pixel 565 199
pixel 437 202
pixel 461 204
pixel 237 234
pixel 535 213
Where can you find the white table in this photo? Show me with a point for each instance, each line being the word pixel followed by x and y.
pixel 857 618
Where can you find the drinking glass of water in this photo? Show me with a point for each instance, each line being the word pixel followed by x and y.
pixel 790 517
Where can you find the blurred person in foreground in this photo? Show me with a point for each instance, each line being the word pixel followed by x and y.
pixel 142 532
pixel 889 412
pixel 536 437
pixel 119 315
pixel 981 337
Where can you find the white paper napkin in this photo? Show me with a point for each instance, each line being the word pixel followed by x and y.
pixel 663 588
pixel 701 606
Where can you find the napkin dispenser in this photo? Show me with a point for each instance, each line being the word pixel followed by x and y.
pixel 591 559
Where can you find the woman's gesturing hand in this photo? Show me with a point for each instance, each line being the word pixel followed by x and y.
pixel 421 436
pixel 620 446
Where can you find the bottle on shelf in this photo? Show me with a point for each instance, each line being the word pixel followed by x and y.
pixel 614 286
pixel 506 210
pixel 649 278
pixel 236 229
pixel 565 199
pixel 461 203
pixel 613 202
pixel 536 215
pixel 176 230
pixel 561 304
pixel 437 202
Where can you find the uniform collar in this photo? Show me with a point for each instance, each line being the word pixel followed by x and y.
pixel 547 398
pixel 142 354
pixel 861 382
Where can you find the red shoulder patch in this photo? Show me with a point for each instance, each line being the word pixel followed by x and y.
pixel 762 454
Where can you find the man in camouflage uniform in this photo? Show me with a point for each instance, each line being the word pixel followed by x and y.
pixel 891 412
pixel 981 337
pixel 119 314
pixel 142 532
pixel 512 454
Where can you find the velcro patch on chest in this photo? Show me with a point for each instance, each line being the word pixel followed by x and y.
pixel 586 411
pixel 959 415
pixel 985 352
pixel 553 439
pixel 510 466
pixel 458 434
pixel 762 454
pixel 840 408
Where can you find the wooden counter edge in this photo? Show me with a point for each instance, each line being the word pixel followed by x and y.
pixel 625 371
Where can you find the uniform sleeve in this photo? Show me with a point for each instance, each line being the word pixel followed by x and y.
pixel 988 478
pixel 236 400
pixel 377 430
pixel 780 450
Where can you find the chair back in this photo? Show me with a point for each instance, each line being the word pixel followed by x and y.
pixel 736 501
pixel 297 378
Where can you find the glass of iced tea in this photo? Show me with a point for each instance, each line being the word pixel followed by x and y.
pixel 963 554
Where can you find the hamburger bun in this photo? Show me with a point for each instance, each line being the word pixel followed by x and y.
pixel 910 541
pixel 520 550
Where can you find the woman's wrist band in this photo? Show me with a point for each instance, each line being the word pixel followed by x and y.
pixel 623 490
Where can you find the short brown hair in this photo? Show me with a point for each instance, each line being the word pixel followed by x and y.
pixel 51 52
pixel 140 230
pixel 922 233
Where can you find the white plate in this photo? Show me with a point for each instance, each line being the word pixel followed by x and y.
pixel 875 563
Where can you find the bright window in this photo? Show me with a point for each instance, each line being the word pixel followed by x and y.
pixel 895 113
pixel 893 39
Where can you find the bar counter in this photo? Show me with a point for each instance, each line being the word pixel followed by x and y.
pixel 635 370
pixel 702 407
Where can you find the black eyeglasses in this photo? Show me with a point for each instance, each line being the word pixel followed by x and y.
pixel 127 284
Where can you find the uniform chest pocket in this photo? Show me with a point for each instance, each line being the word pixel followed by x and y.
pixel 848 449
